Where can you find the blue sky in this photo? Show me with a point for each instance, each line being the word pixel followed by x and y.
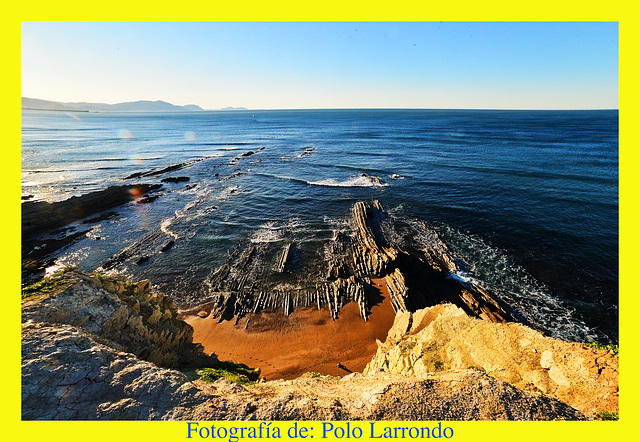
pixel 325 65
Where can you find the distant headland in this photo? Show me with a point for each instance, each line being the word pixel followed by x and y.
pixel 131 106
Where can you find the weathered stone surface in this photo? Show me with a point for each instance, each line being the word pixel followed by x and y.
pixel 129 316
pixel 68 375
pixel 80 333
pixel 372 254
pixel 284 258
pixel 454 395
pixel 443 337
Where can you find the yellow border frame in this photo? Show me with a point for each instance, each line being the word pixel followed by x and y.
pixel 317 11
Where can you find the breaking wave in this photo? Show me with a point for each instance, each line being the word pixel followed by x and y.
pixel 495 270
pixel 357 181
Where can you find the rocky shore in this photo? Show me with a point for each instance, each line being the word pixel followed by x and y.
pixel 377 246
pixel 44 224
pixel 95 347
pixel 386 298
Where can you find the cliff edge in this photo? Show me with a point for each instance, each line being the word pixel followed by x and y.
pixel 443 337
pixel 95 347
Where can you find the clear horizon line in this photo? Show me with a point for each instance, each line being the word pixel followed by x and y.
pixel 244 109
pixel 413 108
pixel 240 108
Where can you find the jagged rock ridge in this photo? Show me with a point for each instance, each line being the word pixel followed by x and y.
pixel 378 246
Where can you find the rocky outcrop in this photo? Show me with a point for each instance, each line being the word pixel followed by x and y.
pixel 68 374
pixel 372 254
pixel 455 395
pixel 284 258
pixel 418 274
pixel 416 277
pixel 41 216
pixel 45 226
pixel 127 316
pixel 443 338
pixel 92 346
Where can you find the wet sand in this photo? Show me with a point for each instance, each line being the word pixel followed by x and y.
pixel 308 340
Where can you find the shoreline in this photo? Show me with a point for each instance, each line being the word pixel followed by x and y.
pixel 286 347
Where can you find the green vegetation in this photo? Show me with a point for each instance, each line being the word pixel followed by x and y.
pixel 100 276
pixel 611 348
pixel 232 371
pixel 608 415
pixel 45 285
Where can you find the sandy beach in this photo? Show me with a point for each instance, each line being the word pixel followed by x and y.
pixel 308 340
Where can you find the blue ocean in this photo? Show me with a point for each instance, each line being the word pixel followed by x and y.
pixel 529 199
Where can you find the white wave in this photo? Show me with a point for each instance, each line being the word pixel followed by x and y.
pixel 274 232
pixel 226 193
pixel 495 270
pixel 164 227
pixel 460 276
pixel 358 181
pixel 268 232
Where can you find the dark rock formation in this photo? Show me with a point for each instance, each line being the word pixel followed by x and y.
pixel 177 179
pixel 41 216
pixel 418 274
pixel 162 171
pixel 140 251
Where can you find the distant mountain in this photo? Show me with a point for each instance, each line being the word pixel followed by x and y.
pixel 34 103
pixel 233 108
pixel 132 106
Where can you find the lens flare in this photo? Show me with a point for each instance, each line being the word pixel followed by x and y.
pixel 190 135
pixel 124 134
pixel 74 116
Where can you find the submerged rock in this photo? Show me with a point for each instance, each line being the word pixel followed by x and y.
pixel 177 179
pixel 41 216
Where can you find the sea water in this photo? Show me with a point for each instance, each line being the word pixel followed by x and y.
pixel 529 199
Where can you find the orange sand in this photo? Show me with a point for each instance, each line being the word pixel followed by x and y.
pixel 308 340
